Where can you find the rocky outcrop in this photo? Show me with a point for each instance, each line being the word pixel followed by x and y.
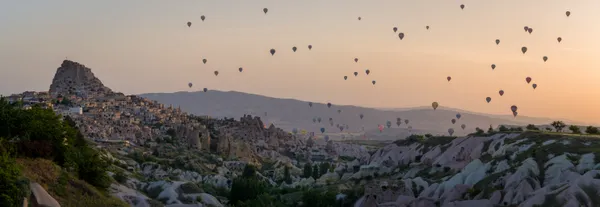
pixel 73 78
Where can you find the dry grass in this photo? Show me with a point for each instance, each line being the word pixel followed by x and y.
pixel 39 170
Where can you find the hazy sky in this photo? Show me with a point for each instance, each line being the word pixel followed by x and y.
pixel 139 46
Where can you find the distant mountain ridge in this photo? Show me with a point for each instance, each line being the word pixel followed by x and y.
pixel 291 113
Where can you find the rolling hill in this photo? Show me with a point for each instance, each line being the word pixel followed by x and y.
pixel 290 113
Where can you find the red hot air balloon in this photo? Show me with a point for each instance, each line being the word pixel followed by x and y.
pixel 528 79
pixel 448 78
pixel 401 35
pixel 526 28
pixel 501 92
pixel 355 60
pixel 559 39
pixel 530 30
pixel 380 128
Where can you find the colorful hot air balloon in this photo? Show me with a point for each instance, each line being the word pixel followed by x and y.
pixel 530 30
pixel 513 108
pixel 265 10
pixel 526 28
pixel 326 138
pixel 205 89
pixel 559 39
pixel 294 48
pixel 453 121
pixel 434 105
pixel 448 78
pixel 488 99
pixel 395 29
pixel 361 116
pixel 204 61
pixel 367 71
pixel 310 104
pixel 401 35
pixel 501 92
pixel 388 124
pixel 373 82
pixel 497 41
pixel 462 6
pixel 406 121
pixel 524 49
pixel 190 85
pixel 341 128
pixel 322 130
pixel 458 116
pixel 216 73
pixel 545 58
pixel 355 60
pixel 450 131
pixel 241 69
pixel 528 79
pixel 534 86
pixel 319 119
pixel 345 77
pixel 463 126
pixel 398 123
pixel 515 113
pixel 272 51
pixel 355 74
pixel 568 13
pixel 189 24
pixel 380 127
pixel 309 47
pixel 328 105
pixel 493 66
pixel 314 119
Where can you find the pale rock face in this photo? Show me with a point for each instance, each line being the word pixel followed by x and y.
pixel 461 152
pixel 502 166
pixel 557 170
pixel 586 163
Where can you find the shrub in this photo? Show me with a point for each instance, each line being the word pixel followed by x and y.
pixel 120 177
pixel 11 191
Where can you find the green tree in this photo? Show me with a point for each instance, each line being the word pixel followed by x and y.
pixel 323 168
pixel 575 129
pixel 491 129
pixel 307 170
pixel 287 178
pixel 246 188
pixel 531 127
pixel 479 131
pixel 249 171
pixel 503 128
pixel 591 130
pixel 11 191
pixel 315 173
pixel 317 198
pixel 558 125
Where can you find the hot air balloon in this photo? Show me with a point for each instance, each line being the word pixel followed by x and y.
pixel 189 24
pixel 453 121
pixel 309 47
pixel 359 18
pixel 462 6
pixel 545 58
pixel 355 60
pixel 568 13
pixel 373 82
pixel 501 92
pixel 458 116
pixel 204 61
pixel 326 138
pixel 534 86
pixel 294 48
pixel 526 28
pixel 216 73
pixel 314 119
pixel 361 116
pixel 345 77
pixel 328 105
pixel 380 127
pixel 388 124
pixel 401 35
pixel 265 10
pixel 272 51
pixel 528 79
pixel 202 17
pixel 367 71
pixel 448 78
pixel 241 69
pixel 355 74
pixel 330 119
pixel 434 105
pixel 295 131
pixel 450 131
pixel 463 126
pixel 406 121
pixel 530 30
pixel 205 89
pixel 395 29
pixel 341 128
pixel 398 119
pixel 493 66
pixel 310 104
pixel 488 99
pixel 398 123
pixel 524 50
pixel 513 108
pixel 190 85
pixel 322 130
pixel 515 113
pixel 497 41
pixel 339 111
pixel 427 27
pixel 319 119
pixel 559 39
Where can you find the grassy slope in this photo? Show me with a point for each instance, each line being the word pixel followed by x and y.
pixel 64 187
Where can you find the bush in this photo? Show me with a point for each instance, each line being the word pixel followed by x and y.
pixel 591 130
pixel 11 190
pixel 120 177
pixel 246 188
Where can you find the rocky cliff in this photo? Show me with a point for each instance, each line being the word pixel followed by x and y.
pixel 73 78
